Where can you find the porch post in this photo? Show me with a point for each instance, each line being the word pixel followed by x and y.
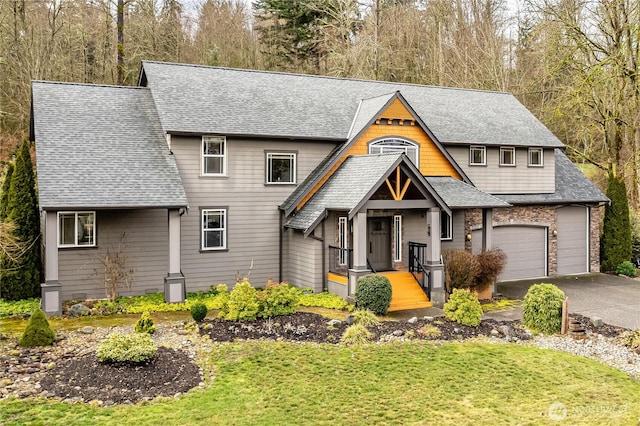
pixel 433 262
pixel 487 237
pixel 174 285
pixel 50 290
pixel 359 267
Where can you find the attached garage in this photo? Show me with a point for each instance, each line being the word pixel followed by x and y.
pixel 525 247
pixel 573 240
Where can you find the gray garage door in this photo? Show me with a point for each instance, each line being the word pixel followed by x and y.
pixel 526 249
pixel 573 240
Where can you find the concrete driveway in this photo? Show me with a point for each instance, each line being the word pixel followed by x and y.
pixel 614 299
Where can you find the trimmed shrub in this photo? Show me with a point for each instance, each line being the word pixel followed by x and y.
pixel 626 268
pixel 492 263
pixel 133 348
pixel 542 308
pixel 373 292
pixel 198 311
pixel 38 331
pixel 145 324
pixel 243 303
pixel 463 307
pixel 278 299
pixel 461 269
pixel 325 300
pixel 364 317
pixel 356 334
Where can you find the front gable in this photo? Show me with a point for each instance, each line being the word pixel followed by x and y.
pixel 395 120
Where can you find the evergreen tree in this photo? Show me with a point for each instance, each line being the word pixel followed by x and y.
pixel 615 245
pixel 4 194
pixel 20 279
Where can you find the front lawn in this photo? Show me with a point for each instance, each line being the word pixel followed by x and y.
pixel 277 383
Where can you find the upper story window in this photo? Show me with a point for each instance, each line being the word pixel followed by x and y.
pixel 478 155
pixel 281 167
pixel 214 155
pixel 395 145
pixel 76 229
pixel 535 157
pixel 445 226
pixel 214 229
pixel 507 156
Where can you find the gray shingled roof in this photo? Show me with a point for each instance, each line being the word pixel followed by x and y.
pixel 572 186
pixel 101 147
pixel 457 194
pixel 367 111
pixel 349 186
pixel 199 99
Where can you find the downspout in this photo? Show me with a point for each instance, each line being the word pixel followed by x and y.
pixel 280 245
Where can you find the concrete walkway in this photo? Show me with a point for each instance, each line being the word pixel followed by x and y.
pixel 615 299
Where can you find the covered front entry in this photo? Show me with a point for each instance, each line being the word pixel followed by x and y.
pixel 379 243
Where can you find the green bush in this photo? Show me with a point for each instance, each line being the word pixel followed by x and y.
pixel 131 348
pixel 356 334
pixel 198 311
pixel 145 324
pixel 461 269
pixel 373 292
pixel 615 244
pixel 38 331
pixel 9 308
pixel 463 307
pixel 278 299
pixel 324 300
pixel 542 308
pixel 364 317
pixel 626 268
pixel 243 303
pixel 429 331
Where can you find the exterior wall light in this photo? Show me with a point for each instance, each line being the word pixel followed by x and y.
pixel 468 236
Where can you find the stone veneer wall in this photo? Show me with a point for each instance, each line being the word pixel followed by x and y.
pixel 543 215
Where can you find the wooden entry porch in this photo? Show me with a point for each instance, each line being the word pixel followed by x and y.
pixel 406 293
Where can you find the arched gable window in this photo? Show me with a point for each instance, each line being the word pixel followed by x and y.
pixel 387 145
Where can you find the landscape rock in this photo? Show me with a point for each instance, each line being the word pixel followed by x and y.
pixel 428 318
pixel 412 320
pixel 349 319
pixel 334 323
pixel 78 310
pixel 495 332
pixel 597 322
pixel 506 331
pixel 87 330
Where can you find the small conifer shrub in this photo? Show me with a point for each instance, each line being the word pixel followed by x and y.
pixel 542 308
pixel 145 324
pixel 132 348
pixel 198 311
pixel 373 292
pixel 463 307
pixel 38 331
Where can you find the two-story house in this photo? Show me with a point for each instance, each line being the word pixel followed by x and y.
pixel 202 174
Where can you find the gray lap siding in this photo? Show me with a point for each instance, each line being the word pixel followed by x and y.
pixel 253 221
pixel 146 247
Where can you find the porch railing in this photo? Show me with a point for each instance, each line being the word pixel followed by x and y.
pixel 416 266
pixel 340 260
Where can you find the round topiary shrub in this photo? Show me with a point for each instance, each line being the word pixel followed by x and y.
pixel 198 311
pixel 133 348
pixel 373 292
pixel 38 331
pixel 542 308
pixel 463 307
pixel 145 324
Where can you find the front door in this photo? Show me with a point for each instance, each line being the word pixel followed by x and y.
pixel 379 242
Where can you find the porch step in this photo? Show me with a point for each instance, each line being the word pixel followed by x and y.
pixel 406 292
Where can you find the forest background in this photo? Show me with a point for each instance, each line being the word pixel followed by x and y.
pixel 573 63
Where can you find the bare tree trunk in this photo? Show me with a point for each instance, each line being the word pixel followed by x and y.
pixel 120 25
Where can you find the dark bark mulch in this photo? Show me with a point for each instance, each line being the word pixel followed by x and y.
pixel 310 327
pixel 85 378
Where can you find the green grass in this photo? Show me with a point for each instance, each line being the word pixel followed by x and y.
pixel 276 383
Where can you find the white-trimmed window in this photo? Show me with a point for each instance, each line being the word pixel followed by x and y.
pixel 478 155
pixel 387 145
pixel 214 155
pixel 76 229
pixel 536 158
pixel 343 241
pixel 397 233
pixel 446 227
pixel 281 167
pixel 214 229
pixel 507 156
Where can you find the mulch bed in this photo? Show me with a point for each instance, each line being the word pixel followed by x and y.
pixel 85 378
